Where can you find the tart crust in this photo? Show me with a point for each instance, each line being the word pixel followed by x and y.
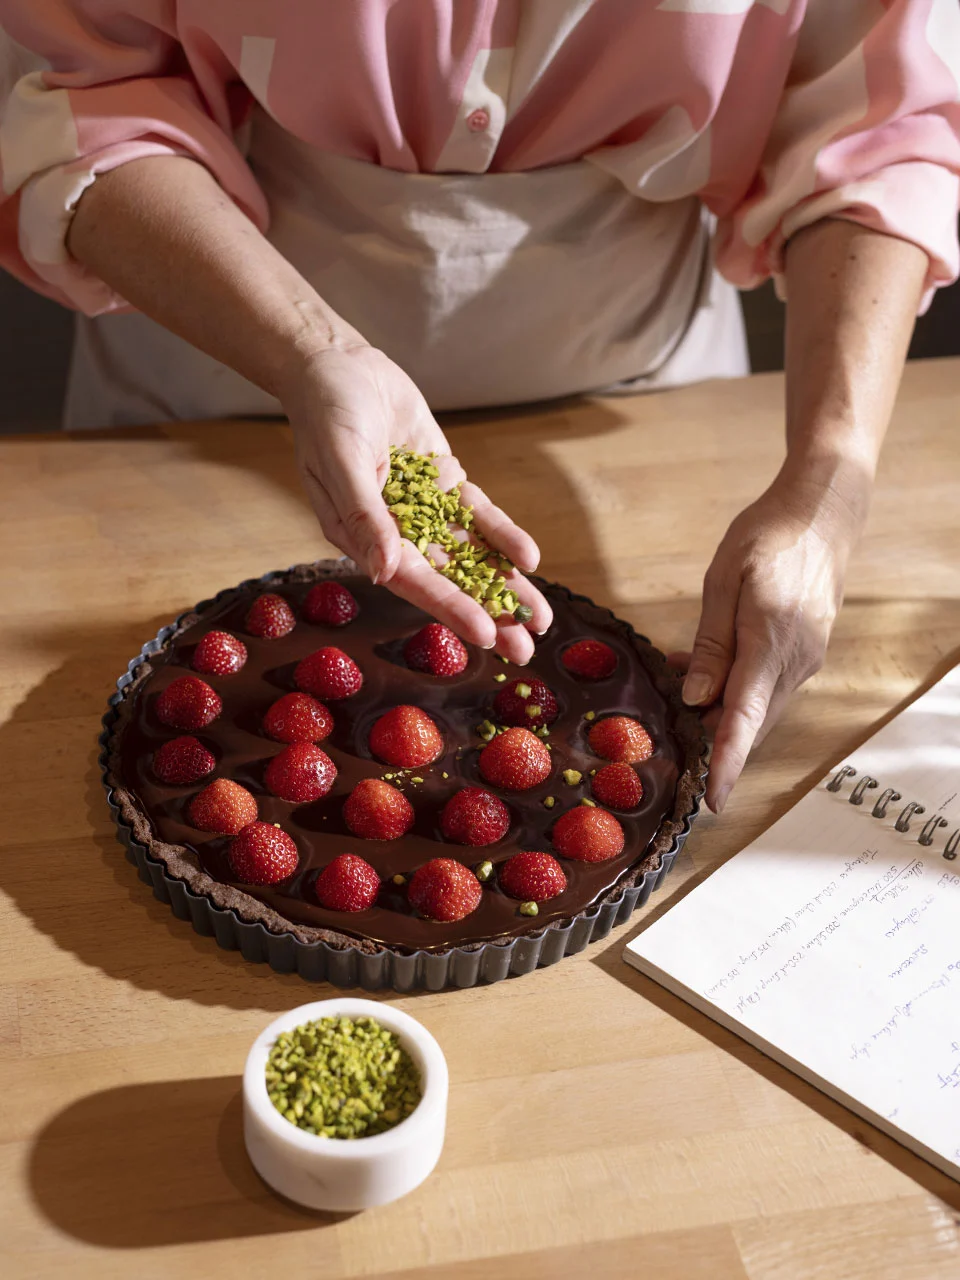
pixel 183 864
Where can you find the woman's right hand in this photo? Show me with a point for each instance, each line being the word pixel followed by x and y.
pixel 170 242
pixel 347 405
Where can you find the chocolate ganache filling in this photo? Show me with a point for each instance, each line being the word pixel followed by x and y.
pixel 375 640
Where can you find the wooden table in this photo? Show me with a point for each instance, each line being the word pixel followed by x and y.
pixel 597 1125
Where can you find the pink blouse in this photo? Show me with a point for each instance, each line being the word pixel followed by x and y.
pixel 776 113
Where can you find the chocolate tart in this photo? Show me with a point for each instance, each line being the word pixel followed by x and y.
pixel 389 945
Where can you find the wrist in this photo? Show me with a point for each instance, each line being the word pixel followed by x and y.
pixel 827 487
pixel 315 332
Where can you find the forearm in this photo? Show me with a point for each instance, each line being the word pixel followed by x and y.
pixel 162 233
pixel 774 586
pixel 852 299
pixel 164 236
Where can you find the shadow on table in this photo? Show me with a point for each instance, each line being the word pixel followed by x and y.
pixel 157 1164
pixel 87 898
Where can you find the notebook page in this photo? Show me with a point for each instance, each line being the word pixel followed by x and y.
pixel 833 942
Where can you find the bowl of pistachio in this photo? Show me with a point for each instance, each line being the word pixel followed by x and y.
pixel 344 1104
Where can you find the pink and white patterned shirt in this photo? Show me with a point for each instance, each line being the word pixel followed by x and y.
pixel 775 113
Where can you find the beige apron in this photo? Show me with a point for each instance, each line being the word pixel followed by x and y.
pixel 488 289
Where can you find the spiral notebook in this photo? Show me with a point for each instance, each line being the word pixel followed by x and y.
pixel 832 943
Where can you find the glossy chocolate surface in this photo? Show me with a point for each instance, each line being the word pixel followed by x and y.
pixel 375 640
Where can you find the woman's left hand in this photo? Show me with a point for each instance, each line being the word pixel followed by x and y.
pixel 770 598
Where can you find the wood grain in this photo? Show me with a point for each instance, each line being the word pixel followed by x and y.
pixel 597 1125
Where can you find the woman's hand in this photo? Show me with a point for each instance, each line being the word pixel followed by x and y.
pixel 163 234
pixel 347 405
pixel 770 598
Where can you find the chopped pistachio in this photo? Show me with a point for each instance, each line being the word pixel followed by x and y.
pixel 549 801
pixel 589 715
pixel 523 613
pixel 503 659
pixel 444 774
pixel 591 804
pixel 428 516
pixel 484 871
pixel 500 677
pixel 487 730
pixel 399 878
pixel 572 777
pixel 416 779
pixel 533 710
pixel 523 690
pixel 542 732
pixel 339 1077
pixel 529 909
pixel 593 773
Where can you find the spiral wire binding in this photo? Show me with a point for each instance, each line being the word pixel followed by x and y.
pixel 911 809
pixel 864 784
pixel 903 822
pixel 890 796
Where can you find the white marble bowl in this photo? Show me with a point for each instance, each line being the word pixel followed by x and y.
pixel 336 1174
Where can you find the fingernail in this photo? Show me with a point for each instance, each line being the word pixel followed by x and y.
pixel 696 689
pixel 721 799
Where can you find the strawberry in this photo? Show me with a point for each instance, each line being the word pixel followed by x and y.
pixel 532 877
pixel 515 760
pixel 348 883
pixel 182 760
pixel 262 854
pixel 525 702
pixel 331 604
pixel 475 817
pixel 296 717
pixel 406 737
pixel 300 772
pixel 588 835
pixel 444 890
pixel 219 654
pixel 328 673
pixel 436 650
pixel 188 703
pixel 621 738
pixel 376 811
pixel 590 659
pixel 618 786
pixel 270 617
pixel 223 806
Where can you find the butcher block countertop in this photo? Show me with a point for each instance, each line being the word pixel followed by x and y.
pixel 597 1125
